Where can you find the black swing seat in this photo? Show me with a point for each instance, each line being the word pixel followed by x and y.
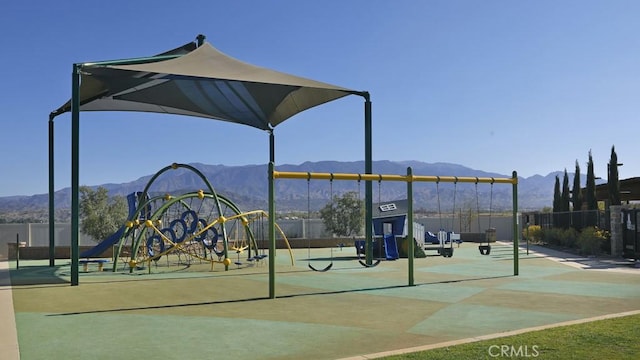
pixel 446 251
pixel 327 268
pixel 367 265
pixel 360 252
pixel 484 249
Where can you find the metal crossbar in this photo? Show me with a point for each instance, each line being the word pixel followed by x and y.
pixel 391 177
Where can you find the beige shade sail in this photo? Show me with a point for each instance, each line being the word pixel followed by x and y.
pixel 201 81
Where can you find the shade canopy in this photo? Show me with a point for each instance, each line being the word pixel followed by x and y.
pixel 194 80
pixel 200 81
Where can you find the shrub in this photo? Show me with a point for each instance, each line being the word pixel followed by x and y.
pixel 533 233
pixel 568 238
pixel 560 237
pixel 550 236
pixel 592 240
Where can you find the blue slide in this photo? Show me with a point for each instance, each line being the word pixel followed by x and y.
pixel 113 238
pixel 391 247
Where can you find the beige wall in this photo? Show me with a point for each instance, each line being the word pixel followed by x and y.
pixel 37 235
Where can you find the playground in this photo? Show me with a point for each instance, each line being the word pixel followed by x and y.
pixel 349 311
pixel 192 276
pixel 189 229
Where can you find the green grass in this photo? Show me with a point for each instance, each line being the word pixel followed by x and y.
pixel 616 338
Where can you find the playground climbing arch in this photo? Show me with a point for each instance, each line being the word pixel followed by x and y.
pixel 199 225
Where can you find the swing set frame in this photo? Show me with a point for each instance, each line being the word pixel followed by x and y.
pixel 409 179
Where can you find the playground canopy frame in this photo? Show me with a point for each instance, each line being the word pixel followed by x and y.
pixel 194 80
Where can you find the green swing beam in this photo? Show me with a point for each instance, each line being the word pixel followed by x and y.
pixel 409 178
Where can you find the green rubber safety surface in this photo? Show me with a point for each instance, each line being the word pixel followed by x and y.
pixel 172 311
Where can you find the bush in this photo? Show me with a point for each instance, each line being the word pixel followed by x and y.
pixel 533 233
pixel 592 241
pixel 568 238
pixel 550 236
pixel 560 237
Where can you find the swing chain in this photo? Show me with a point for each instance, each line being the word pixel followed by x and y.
pixel 438 195
pixel 453 210
pixel 328 267
pixel 478 205
pixel 491 202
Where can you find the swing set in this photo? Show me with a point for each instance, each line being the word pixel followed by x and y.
pixel 445 237
pixel 409 179
pixel 331 204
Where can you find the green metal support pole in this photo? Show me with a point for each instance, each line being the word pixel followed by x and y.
pixel 272 147
pixel 75 140
pixel 368 186
pixel 411 243
pixel 52 204
pixel 516 245
pixel 75 173
pixel 272 234
pixel 272 216
pixel 527 238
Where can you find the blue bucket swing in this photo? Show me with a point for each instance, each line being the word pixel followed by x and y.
pixel 485 249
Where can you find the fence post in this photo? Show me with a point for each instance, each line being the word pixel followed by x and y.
pixel 615 213
pixel 516 262
pixel 17 251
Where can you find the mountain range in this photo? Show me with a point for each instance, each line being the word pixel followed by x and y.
pixel 247 187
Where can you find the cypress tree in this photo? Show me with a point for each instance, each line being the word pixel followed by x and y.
pixel 613 183
pixel 564 219
pixel 566 195
pixel 557 197
pixel 590 196
pixel 576 197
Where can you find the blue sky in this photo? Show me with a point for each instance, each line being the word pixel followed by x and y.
pixel 498 86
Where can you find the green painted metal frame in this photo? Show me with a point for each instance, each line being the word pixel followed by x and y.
pixel 410 242
pixel 368 185
pixel 75 160
pixel 516 233
pixel 409 178
pixel 75 174
pixel 75 122
pixel 212 193
pixel 368 190
pixel 75 125
pixel 52 208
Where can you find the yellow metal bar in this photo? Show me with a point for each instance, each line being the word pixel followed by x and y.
pixel 387 177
